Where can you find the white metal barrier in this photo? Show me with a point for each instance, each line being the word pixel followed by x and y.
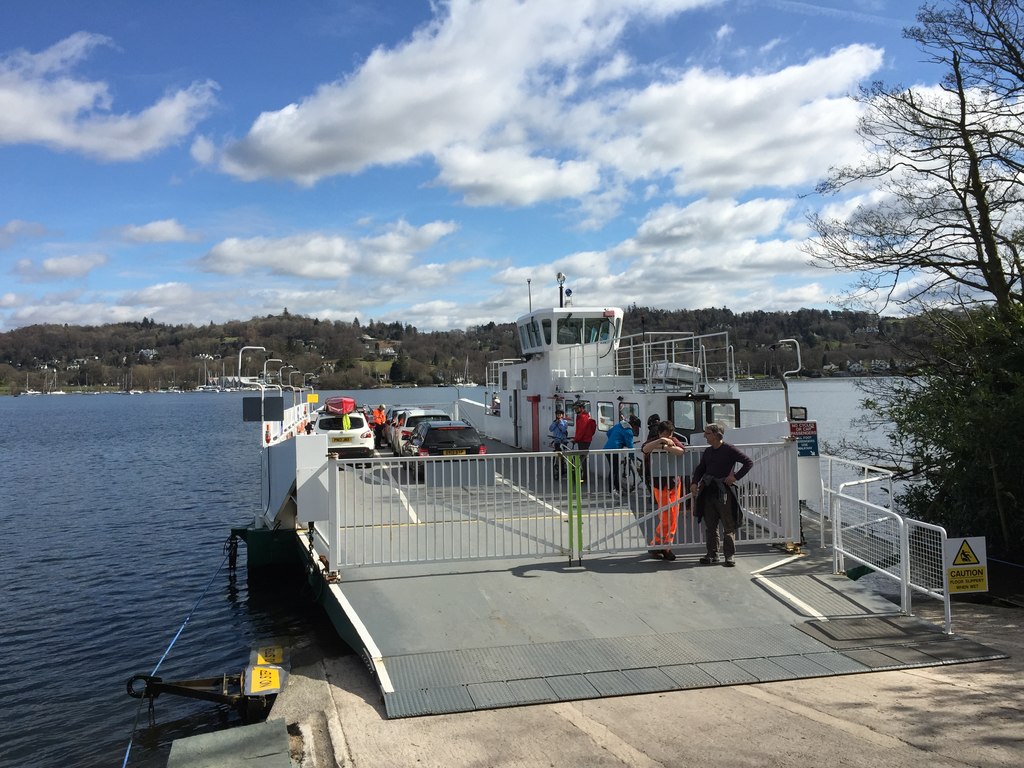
pixel 838 474
pixel 426 510
pixel 904 550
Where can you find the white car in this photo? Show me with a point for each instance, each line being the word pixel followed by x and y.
pixel 357 440
pixel 406 421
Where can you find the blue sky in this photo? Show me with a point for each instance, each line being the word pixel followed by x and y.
pixel 399 160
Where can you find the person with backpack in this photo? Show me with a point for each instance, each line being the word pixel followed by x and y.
pixel 713 486
pixel 618 437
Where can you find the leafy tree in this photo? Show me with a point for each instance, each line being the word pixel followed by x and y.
pixel 940 235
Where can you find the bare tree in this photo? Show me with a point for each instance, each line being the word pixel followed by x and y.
pixel 941 209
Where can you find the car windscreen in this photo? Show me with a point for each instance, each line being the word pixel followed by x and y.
pixel 412 421
pixel 458 437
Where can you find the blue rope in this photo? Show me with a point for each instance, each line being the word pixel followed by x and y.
pixel 177 634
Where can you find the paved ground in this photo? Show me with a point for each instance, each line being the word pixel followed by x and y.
pixel 957 715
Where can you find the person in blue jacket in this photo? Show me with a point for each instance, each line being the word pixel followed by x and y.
pixel 619 436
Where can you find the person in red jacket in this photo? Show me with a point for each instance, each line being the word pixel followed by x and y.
pixel 583 436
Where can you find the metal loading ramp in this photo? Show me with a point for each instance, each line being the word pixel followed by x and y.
pixel 484 635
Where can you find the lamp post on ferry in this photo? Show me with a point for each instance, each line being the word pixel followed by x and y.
pixel 266 362
pixel 280 380
pixel 262 349
pixel 560 277
pixel 799 367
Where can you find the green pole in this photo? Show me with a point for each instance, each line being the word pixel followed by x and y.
pixel 575 506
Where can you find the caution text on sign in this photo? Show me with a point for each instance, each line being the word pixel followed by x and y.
pixel 967 564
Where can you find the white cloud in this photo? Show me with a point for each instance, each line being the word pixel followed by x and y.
pixel 508 176
pixel 327 257
pixel 163 231
pixel 58 267
pixel 203 151
pixel 16 229
pixel 463 79
pixel 44 103
pixel 497 94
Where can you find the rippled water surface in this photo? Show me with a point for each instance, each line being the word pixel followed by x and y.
pixel 115 513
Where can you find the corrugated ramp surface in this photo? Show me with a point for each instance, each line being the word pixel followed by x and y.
pixel 498 636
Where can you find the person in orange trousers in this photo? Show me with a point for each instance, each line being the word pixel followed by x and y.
pixel 666 490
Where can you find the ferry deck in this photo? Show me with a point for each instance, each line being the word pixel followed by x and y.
pixel 499 586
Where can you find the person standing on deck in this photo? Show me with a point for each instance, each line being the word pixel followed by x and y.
pixel 713 486
pixel 379 418
pixel 586 427
pixel 618 437
pixel 666 490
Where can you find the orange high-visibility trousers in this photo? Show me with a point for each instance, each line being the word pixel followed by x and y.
pixel 668 497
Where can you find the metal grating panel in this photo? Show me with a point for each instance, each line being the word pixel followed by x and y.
pixel 837 663
pixel 765 670
pixel 873 660
pixel 490 695
pixel 532 691
pixel 690 676
pixel 612 683
pixel 801 666
pixel 960 651
pixel 572 687
pixel 486 678
pixel 823 592
pixel 727 673
pixel 428 702
pixel 650 680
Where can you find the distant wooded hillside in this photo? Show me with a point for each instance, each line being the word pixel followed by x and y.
pixel 151 355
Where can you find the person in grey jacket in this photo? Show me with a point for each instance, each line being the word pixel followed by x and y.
pixel 712 485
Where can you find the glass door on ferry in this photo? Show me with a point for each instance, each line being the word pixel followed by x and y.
pixel 689 415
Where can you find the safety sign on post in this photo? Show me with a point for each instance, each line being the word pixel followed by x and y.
pixel 967 564
pixel 805 434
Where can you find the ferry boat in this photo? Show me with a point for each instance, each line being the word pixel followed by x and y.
pixel 470 582
pixel 580 355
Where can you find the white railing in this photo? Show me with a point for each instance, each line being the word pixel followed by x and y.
pixel 496 506
pixel 907 551
pixel 838 474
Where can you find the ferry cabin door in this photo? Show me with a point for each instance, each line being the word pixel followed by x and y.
pixel 689 415
pixel 534 432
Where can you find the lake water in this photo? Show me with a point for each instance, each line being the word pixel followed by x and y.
pixel 116 511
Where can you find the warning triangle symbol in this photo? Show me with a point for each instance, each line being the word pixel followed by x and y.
pixel 965 555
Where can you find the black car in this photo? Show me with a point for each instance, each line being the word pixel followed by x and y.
pixel 444 438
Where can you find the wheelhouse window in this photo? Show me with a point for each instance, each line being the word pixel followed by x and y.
pixel 579 330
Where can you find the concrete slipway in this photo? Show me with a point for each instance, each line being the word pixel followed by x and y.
pixel 948 714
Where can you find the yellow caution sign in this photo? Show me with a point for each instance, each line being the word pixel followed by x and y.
pixel 312 397
pixel 965 555
pixel 967 564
